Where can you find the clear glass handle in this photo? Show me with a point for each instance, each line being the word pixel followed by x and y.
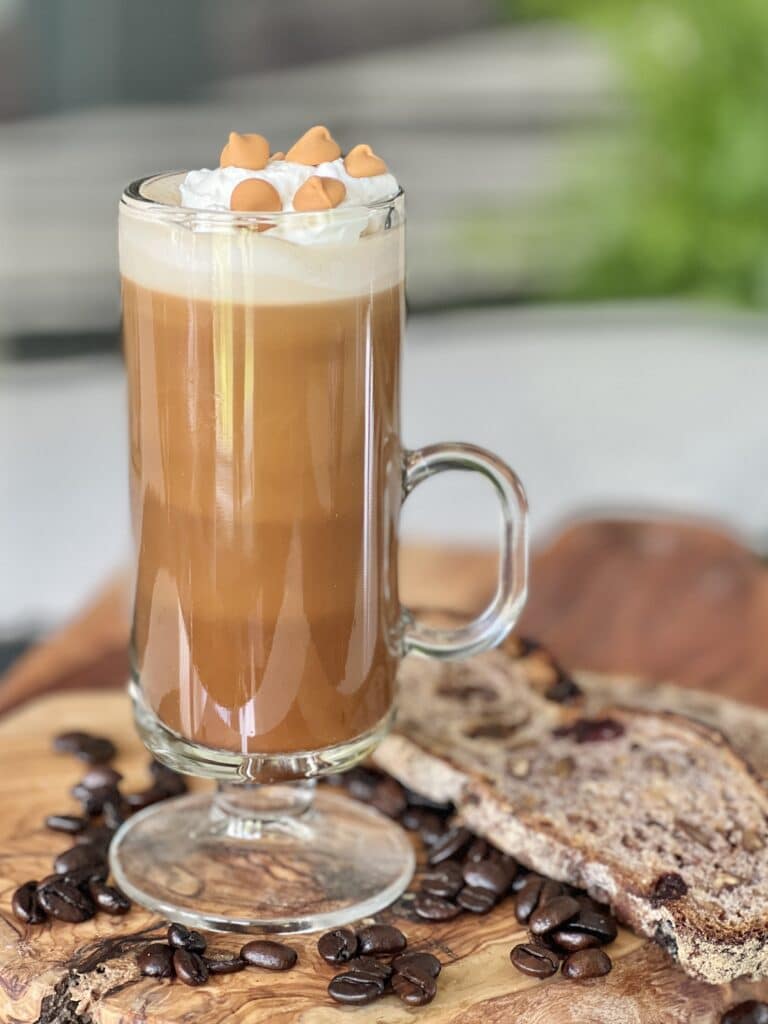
pixel 490 628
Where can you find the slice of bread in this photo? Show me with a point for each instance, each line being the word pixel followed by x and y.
pixel 649 811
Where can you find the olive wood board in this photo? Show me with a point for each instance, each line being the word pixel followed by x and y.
pixel 85 974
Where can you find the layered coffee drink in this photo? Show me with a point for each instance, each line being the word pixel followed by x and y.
pixel 263 360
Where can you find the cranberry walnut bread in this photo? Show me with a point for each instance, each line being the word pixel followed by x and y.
pixel 648 810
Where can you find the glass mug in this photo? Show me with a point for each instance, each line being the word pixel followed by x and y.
pixel 267 477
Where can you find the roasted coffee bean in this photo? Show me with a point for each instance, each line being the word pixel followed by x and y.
pixel 101 776
pixel 527 898
pixel 476 899
pixel 190 967
pixel 367 965
pixel 69 823
pixel 338 946
pixel 445 880
pixel 166 779
pixel 600 925
pixel 361 783
pixel 564 690
pixel 146 798
pixel 273 956
pixel 667 888
pixel 156 961
pixel 572 941
pixel 551 915
pixel 415 987
pixel 424 962
pixel 751 1012
pixel 108 898
pixel 380 939
pixel 347 989
pixel 534 959
pixel 64 901
pixel 434 908
pixel 181 937
pixel 76 857
pixel 224 964
pixel 389 798
pixel 25 904
pixel 591 730
pixel 478 851
pixel 586 963
pixel 488 874
pixel 92 800
pixel 452 844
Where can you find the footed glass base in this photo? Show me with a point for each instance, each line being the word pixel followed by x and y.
pixel 272 858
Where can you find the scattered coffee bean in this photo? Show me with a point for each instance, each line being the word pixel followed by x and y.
pixel 751 1012
pixel 156 961
pixel 488 874
pixel 534 959
pixel 434 908
pixel 415 987
pixel 190 967
pixel 101 776
pixel 380 939
pixel 272 956
pixel 64 901
pixel 476 900
pixel 81 856
pixel 338 946
pixel 224 964
pixel 527 898
pixel 424 962
pixel 667 888
pixel 69 823
pixel 445 880
pixel 352 991
pixel 108 897
pixel 452 844
pixel 389 797
pixel 25 904
pixel 551 915
pixel 572 941
pixel 181 937
pixel 591 730
pixel 586 963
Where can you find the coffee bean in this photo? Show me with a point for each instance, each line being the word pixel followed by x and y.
pixel 424 962
pixel 181 937
pixel 351 991
pixel 415 987
pixel 224 964
pixel 445 880
pixel 338 946
pixel 572 941
pixel 527 898
pixel 751 1012
pixel 25 904
pixel 166 779
pixel 69 823
pixel 108 898
pixel 100 777
pixel 586 963
pixel 156 961
pixel 600 925
pixel 476 899
pixel 389 798
pixel 534 959
pixel 488 874
pixel 273 956
pixel 551 915
pixel 76 857
pixel 452 844
pixel 434 908
pixel 478 851
pixel 380 939
pixel 64 901
pixel 190 967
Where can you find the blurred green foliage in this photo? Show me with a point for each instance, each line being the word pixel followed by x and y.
pixel 681 205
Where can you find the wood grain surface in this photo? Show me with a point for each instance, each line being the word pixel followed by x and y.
pixel 88 970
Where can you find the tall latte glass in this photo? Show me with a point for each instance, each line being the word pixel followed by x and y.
pixel 267 476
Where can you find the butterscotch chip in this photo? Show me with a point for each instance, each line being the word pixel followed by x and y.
pixel 319 194
pixel 362 162
pixel 256 195
pixel 316 146
pixel 248 151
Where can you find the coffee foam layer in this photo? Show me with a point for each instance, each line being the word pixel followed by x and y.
pixel 211 258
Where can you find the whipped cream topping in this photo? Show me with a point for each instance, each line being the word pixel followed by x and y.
pixel 212 190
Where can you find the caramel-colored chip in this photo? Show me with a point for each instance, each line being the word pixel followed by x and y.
pixel 319 194
pixel 256 195
pixel 362 162
pixel 248 151
pixel 316 146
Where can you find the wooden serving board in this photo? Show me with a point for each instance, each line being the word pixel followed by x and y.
pixel 85 974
